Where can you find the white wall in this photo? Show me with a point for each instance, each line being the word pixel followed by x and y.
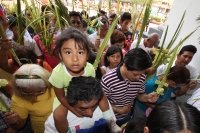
pixel 190 23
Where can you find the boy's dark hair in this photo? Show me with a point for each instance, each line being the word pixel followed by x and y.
pixel 83 89
pixel 172 116
pixel 103 12
pixel 179 74
pixel 81 40
pixel 137 59
pixel 112 50
pixel 112 15
pixel 135 125
pixel 189 48
pixel 74 13
pixel 92 18
pixel 124 16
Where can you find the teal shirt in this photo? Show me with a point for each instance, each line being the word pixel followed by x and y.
pixel 150 87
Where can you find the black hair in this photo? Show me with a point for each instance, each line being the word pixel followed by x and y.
pixel 173 116
pixel 13 22
pixel 25 54
pixel 81 40
pixel 46 8
pixel 189 48
pixel 74 13
pixel 112 50
pixel 103 12
pixel 179 74
pixel 112 15
pixel 91 57
pixel 124 16
pixel 135 125
pixel 83 89
pixel 137 59
pixel 92 18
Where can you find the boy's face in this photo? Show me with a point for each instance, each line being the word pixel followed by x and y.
pixel 124 25
pixel 76 22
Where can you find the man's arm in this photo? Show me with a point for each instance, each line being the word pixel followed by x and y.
pixel 60 119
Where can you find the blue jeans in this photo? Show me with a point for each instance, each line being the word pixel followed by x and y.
pixel 124 120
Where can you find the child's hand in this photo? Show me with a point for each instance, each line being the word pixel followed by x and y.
pixel 11 118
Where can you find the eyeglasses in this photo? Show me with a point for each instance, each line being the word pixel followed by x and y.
pixel 77 22
pixel 35 93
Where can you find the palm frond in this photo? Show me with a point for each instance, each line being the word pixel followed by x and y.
pixel 176 33
pixel 145 19
pixel 19 20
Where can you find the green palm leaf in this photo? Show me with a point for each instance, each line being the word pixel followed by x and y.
pixel 145 19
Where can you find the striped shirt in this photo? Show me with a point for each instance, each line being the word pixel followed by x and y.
pixel 121 92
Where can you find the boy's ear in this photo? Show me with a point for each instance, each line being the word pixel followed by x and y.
pixel 146 129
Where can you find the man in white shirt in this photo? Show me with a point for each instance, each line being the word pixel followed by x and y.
pixel 83 94
pixel 184 58
pixel 96 39
pixel 148 43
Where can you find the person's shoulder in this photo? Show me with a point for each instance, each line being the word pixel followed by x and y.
pixel 189 67
pixel 112 74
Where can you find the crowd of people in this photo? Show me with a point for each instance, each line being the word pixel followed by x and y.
pixel 61 92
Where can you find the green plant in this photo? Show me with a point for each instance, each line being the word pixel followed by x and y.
pixel 145 19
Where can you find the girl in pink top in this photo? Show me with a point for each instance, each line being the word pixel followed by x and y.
pixel 112 59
